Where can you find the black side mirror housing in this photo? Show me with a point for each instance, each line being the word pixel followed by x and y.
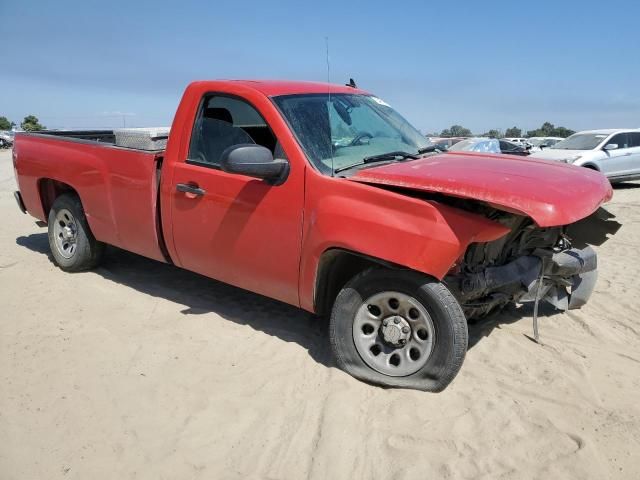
pixel 254 161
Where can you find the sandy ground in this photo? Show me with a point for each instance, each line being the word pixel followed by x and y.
pixel 142 370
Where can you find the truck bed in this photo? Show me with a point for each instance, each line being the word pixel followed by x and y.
pixel 83 136
pixel 118 186
pixel 145 139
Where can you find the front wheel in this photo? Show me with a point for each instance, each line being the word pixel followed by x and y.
pixel 398 328
pixel 73 246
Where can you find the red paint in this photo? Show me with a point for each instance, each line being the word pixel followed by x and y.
pixel 116 186
pixel 269 239
pixel 551 193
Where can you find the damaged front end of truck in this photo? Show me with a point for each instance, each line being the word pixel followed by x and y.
pixel 552 214
pixel 553 264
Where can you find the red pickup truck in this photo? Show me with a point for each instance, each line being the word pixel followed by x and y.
pixel 324 197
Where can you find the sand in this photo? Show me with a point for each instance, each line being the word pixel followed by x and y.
pixel 143 370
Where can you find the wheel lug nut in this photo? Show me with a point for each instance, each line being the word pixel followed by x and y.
pixel 405 329
pixel 396 320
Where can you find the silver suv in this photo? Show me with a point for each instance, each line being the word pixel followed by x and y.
pixel 616 153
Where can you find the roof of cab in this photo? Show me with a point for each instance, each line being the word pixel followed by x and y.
pixel 272 88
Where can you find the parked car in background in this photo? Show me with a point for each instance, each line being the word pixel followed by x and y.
pixel 514 148
pixel 517 140
pixel 614 152
pixel 6 139
pixel 540 143
pixel 443 143
pixel 489 145
pixel 477 144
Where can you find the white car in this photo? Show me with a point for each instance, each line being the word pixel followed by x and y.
pixel 616 153
pixel 540 143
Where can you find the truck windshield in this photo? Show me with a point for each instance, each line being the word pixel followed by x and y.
pixel 339 130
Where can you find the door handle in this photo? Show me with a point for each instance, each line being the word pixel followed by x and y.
pixel 190 188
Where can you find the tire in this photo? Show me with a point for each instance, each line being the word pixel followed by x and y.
pixel 357 330
pixel 73 246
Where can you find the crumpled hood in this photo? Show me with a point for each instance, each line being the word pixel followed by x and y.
pixel 557 154
pixel 548 192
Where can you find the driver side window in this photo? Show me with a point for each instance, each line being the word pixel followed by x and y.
pixel 223 122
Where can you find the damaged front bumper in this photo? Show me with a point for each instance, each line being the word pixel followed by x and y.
pixel 568 279
pixel 564 279
pixel 556 265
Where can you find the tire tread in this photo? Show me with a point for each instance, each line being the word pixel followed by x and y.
pixel 437 292
pixel 89 250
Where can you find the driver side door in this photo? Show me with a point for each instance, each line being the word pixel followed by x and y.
pixel 231 227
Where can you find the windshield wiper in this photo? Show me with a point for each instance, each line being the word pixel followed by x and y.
pixel 399 155
pixel 431 149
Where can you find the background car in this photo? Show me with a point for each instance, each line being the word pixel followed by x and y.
pixel 616 153
pixel 443 143
pixel 488 145
pixel 478 144
pixel 540 143
pixel 517 140
pixel 513 148
pixel 6 139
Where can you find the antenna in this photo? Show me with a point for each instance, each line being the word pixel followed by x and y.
pixel 326 41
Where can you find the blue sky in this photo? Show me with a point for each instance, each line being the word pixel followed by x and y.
pixel 480 64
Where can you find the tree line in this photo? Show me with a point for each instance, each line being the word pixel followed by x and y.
pixel 29 124
pixel 546 130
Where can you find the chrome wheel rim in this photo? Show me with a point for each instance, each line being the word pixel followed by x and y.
pixel 393 333
pixel 65 233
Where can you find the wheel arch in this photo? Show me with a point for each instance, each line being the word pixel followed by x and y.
pixel 50 189
pixel 591 166
pixel 335 268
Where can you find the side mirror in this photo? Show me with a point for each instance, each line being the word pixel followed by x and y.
pixel 254 161
pixel 611 146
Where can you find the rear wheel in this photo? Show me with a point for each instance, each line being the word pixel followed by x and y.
pixel 398 328
pixel 73 246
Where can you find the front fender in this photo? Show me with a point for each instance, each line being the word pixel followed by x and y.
pixel 422 235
